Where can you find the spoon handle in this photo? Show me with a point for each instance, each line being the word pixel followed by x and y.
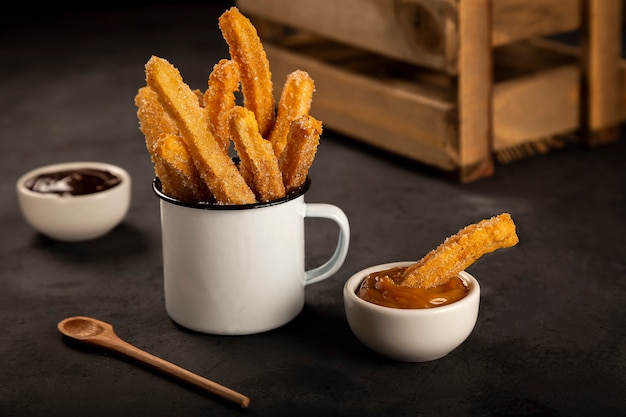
pixel 116 344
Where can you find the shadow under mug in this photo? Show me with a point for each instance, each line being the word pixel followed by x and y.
pixel 240 269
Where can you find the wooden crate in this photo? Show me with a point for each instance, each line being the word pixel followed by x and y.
pixel 456 84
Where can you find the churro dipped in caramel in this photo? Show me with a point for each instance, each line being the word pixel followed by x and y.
pixel 461 250
pixel 435 280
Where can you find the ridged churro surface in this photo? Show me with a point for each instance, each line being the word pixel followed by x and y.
pixel 256 155
pixel 216 168
pixel 219 99
pixel 256 79
pixel 154 122
pixel 183 180
pixel 189 132
pixel 301 147
pixel 295 101
pixel 461 250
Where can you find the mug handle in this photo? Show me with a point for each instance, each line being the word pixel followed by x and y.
pixel 328 211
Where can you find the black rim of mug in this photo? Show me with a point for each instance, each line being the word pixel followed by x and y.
pixel 156 187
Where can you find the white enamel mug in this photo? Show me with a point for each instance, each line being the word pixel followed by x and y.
pixel 235 270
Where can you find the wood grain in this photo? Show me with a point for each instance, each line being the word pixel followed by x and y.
pixel 601 57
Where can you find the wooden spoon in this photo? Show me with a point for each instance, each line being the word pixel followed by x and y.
pixel 99 333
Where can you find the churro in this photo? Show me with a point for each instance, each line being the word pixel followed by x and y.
pixel 295 100
pixel 256 154
pixel 182 181
pixel 153 122
pixel 219 98
pixel 216 168
pixel 200 95
pixel 189 132
pixel 301 146
pixel 256 79
pixel 461 250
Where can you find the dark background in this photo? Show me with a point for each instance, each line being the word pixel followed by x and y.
pixel 551 333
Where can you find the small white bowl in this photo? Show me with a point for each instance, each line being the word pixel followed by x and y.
pixel 410 335
pixel 75 217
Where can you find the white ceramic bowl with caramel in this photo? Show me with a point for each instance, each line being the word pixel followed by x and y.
pixel 411 334
pixel 74 201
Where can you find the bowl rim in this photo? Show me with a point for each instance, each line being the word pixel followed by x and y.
pixel 117 170
pixel 352 283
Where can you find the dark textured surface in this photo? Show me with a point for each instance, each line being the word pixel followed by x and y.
pixel 551 334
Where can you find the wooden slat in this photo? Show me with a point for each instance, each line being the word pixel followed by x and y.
pixel 474 90
pixel 514 20
pixel 523 112
pixel 385 113
pixel 414 112
pixel 601 68
pixel 422 32
pixel 458 122
pixel 577 54
pixel 417 31
pixel 536 92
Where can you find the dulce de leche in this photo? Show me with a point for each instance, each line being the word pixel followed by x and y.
pixel 383 288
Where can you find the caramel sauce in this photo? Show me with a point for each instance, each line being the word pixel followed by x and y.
pixel 73 182
pixel 382 288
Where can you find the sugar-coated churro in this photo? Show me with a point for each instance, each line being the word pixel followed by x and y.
pixel 256 79
pixel 461 250
pixel 189 132
pixel 295 100
pixel 172 163
pixel 200 96
pixel 256 154
pixel 184 182
pixel 301 146
pixel 215 166
pixel 154 122
pixel 219 98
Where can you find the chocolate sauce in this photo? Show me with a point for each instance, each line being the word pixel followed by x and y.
pixel 73 182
